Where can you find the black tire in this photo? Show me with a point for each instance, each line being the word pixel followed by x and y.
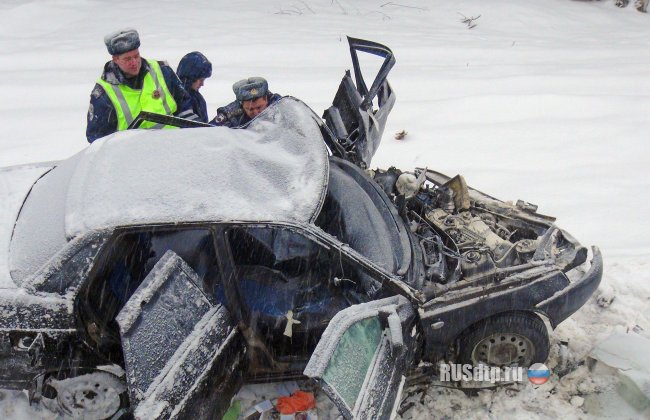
pixel 510 339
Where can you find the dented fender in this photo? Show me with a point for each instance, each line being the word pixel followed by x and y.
pixel 567 301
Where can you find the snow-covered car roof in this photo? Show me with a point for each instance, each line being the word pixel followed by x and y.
pixel 275 170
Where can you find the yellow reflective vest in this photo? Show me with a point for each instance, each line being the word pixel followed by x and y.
pixel 153 97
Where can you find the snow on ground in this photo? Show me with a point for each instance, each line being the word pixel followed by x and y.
pixel 543 101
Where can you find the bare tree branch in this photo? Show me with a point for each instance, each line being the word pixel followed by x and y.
pixel 469 21
pixel 288 12
pixel 384 15
pixel 307 6
pixel 345 12
pixel 390 3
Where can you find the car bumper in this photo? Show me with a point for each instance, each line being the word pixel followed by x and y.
pixel 550 293
pixel 568 300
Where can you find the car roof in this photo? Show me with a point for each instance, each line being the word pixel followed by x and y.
pixel 274 170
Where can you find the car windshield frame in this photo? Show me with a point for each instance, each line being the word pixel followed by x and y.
pixel 352 193
pixel 39 230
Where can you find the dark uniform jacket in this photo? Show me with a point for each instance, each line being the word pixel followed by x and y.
pixel 233 115
pixel 102 117
pixel 198 103
pixel 192 67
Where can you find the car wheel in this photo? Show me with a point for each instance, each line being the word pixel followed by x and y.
pixel 512 339
pixel 97 395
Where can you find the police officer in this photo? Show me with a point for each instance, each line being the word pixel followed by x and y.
pixel 130 84
pixel 193 69
pixel 252 97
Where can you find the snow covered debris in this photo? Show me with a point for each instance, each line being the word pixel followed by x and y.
pixel 628 353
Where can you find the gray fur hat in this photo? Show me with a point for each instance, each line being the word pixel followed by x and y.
pixel 122 41
pixel 251 88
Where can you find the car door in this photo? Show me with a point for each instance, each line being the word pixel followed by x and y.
pixel 356 125
pixel 182 351
pixel 362 357
pixel 282 288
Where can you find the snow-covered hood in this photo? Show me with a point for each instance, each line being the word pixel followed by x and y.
pixel 15 183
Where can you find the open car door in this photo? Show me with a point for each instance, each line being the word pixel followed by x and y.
pixel 182 352
pixel 352 119
pixel 363 355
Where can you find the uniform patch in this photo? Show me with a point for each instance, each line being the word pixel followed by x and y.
pixel 97 92
pixel 91 112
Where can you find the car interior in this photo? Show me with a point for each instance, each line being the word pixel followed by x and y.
pixel 125 262
pixel 290 285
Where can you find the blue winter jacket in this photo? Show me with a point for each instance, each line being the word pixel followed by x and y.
pixel 199 106
pixel 192 67
pixel 102 117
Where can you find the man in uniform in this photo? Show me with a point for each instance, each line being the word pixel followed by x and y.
pixel 252 97
pixel 193 69
pixel 130 84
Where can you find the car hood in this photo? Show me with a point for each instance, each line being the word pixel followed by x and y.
pixel 15 183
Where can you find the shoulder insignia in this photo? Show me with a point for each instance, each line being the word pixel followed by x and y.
pixel 97 91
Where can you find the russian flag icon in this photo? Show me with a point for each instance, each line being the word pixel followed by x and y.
pixel 538 374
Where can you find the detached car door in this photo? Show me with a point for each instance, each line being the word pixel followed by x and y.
pixel 182 351
pixel 362 357
pixel 354 121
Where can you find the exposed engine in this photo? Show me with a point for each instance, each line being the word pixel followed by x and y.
pixel 467 235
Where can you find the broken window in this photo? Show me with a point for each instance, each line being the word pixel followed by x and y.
pixel 352 358
pixel 362 357
pixel 127 259
pixel 290 285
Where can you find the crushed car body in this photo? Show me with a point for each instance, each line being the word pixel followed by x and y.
pixel 155 272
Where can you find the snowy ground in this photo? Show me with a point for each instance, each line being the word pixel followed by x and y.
pixel 543 101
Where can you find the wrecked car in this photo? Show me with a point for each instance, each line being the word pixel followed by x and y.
pixel 155 272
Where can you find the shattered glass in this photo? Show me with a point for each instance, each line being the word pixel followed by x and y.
pixel 284 282
pixel 352 358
